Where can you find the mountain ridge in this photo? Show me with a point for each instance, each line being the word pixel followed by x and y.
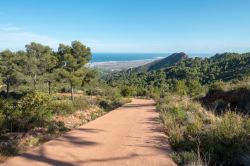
pixel 164 63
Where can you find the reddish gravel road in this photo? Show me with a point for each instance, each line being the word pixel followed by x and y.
pixel 128 136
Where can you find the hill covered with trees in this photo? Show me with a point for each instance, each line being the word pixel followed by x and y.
pixel 187 72
pixel 162 63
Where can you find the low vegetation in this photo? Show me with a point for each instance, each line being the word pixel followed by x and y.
pixel 203 102
pixel 38 117
pixel 38 99
pixel 203 105
pixel 194 131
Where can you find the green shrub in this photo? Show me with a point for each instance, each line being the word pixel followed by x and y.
pixel 2 121
pixel 95 91
pixel 141 92
pixel 225 138
pixel 81 103
pixel 184 158
pixel 62 107
pixel 109 105
pixel 230 125
pixel 229 140
pixel 111 92
pixel 180 87
pixel 178 113
pixel 94 115
pixel 111 100
pixel 33 141
pixel 10 116
pixel 57 127
pixel 218 85
pixel 127 91
pixel 65 90
pixel 195 88
pixel 35 110
pixel 9 149
pixel 105 104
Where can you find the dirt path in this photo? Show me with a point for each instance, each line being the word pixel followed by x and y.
pixel 128 136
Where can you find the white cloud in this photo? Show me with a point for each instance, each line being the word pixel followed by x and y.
pixel 14 38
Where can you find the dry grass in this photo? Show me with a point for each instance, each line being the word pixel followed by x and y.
pixel 188 126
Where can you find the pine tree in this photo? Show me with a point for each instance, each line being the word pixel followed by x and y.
pixel 36 61
pixel 10 71
pixel 73 58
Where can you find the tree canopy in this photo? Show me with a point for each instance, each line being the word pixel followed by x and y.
pixel 38 66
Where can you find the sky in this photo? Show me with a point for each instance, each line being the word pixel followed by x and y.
pixel 163 26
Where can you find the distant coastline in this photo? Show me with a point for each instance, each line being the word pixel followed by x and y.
pixel 113 62
pixel 114 66
pixel 126 57
pixel 120 57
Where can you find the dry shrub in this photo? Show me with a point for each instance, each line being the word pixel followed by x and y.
pixel 188 126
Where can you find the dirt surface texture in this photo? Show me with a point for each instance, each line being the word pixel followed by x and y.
pixel 128 136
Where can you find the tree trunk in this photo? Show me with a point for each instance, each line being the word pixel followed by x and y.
pixel 34 82
pixel 11 127
pixel 71 91
pixel 49 83
pixel 7 89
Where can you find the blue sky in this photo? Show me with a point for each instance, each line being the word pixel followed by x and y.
pixel 192 26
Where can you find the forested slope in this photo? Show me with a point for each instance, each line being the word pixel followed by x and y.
pixel 163 63
pixel 191 72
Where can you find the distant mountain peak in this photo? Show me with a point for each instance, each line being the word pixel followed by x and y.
pixel 178 54
pixel 171 60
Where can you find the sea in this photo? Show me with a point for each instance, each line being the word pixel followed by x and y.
pixel 112 62
pixel 121 57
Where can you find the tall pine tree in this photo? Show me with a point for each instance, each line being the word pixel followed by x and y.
pixel 73 58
